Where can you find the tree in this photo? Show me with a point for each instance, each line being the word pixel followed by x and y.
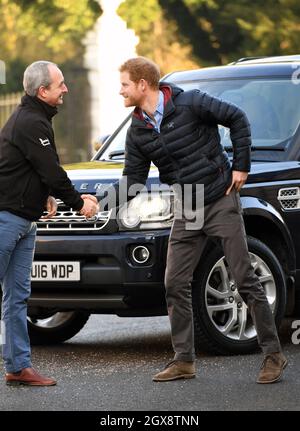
pixel 44 27
pixel 37 29
pixel 53 30
pixel 210 32
pixel 160 38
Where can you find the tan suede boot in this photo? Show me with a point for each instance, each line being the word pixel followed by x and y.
pixel 272 368
pixel 176 370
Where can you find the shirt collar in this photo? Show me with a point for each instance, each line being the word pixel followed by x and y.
pixel 159 107
pixel 160 104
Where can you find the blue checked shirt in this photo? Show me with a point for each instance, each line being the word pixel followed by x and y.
pixel 158 114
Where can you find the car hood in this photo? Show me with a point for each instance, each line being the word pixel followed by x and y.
pixel 273 171
pixel 88 177
pixel 94 170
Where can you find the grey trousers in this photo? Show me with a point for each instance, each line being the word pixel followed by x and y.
pixel 222 219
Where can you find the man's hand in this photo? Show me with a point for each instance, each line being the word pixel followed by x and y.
pixel 51 207
pixel 90 208
pixel 91 197
pixel 238 180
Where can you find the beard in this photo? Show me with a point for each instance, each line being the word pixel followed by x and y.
pixel 132 101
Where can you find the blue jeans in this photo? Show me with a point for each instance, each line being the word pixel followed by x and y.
pixel 17 241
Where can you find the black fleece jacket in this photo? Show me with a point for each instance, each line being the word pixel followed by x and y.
pixel 29 164
pixel 187 150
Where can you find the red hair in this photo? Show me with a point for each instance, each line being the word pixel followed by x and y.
pixel 142 68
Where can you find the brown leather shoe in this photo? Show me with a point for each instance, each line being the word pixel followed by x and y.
pixel 272 368
pixel 29 377
pixel 176 370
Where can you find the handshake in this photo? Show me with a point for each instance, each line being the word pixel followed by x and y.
pixel 90 206
pixel 89 209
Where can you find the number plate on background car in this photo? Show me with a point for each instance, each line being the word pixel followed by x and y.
pixel 55 271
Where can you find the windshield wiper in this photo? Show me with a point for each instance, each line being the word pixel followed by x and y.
pixel 279 147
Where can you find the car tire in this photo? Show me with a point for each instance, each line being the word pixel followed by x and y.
pixel 223 324
pixel 56 327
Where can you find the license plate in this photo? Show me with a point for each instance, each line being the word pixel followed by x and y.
pixel 55 271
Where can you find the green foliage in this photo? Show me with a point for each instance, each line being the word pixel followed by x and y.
pixel 31 29
pixel 53 30
pixel 214 31
pixel 159 37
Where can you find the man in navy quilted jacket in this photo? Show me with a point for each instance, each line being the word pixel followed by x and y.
pixel 178 131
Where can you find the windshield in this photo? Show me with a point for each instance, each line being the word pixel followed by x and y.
pixel 272 107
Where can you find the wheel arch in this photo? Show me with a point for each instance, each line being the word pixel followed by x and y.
pixel 272 231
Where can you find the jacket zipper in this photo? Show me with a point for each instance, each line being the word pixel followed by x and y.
pixel 174 162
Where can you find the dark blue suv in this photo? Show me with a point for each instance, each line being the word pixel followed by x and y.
pixel 116 265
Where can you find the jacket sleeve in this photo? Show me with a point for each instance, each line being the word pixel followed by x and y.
pixel 135 174
pixel 35 142
pixel 212 110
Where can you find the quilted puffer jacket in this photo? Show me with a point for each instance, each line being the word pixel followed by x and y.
pixel 187 150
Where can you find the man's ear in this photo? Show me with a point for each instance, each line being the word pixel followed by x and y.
pixel 42 92
pixel 144 84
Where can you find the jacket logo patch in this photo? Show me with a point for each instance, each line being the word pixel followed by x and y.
pixel 44 142
pixel 171 125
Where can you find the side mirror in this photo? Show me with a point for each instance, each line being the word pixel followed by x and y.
pixel 100 142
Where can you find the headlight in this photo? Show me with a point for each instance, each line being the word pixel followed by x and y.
pixel 147 211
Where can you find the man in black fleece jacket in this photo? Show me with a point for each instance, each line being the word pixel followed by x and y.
pixel 178 132
pixel 29 172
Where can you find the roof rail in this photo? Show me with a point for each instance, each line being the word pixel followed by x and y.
pixel 240 60
pixel 269 58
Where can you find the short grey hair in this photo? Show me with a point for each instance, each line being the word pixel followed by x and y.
pixel 36 75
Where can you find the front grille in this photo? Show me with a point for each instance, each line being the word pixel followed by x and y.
pixel 289 198
pixel 67 219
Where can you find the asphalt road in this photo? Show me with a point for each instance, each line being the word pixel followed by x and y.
pixel 108 367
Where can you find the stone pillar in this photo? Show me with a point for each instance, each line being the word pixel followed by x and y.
pixel 107 47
